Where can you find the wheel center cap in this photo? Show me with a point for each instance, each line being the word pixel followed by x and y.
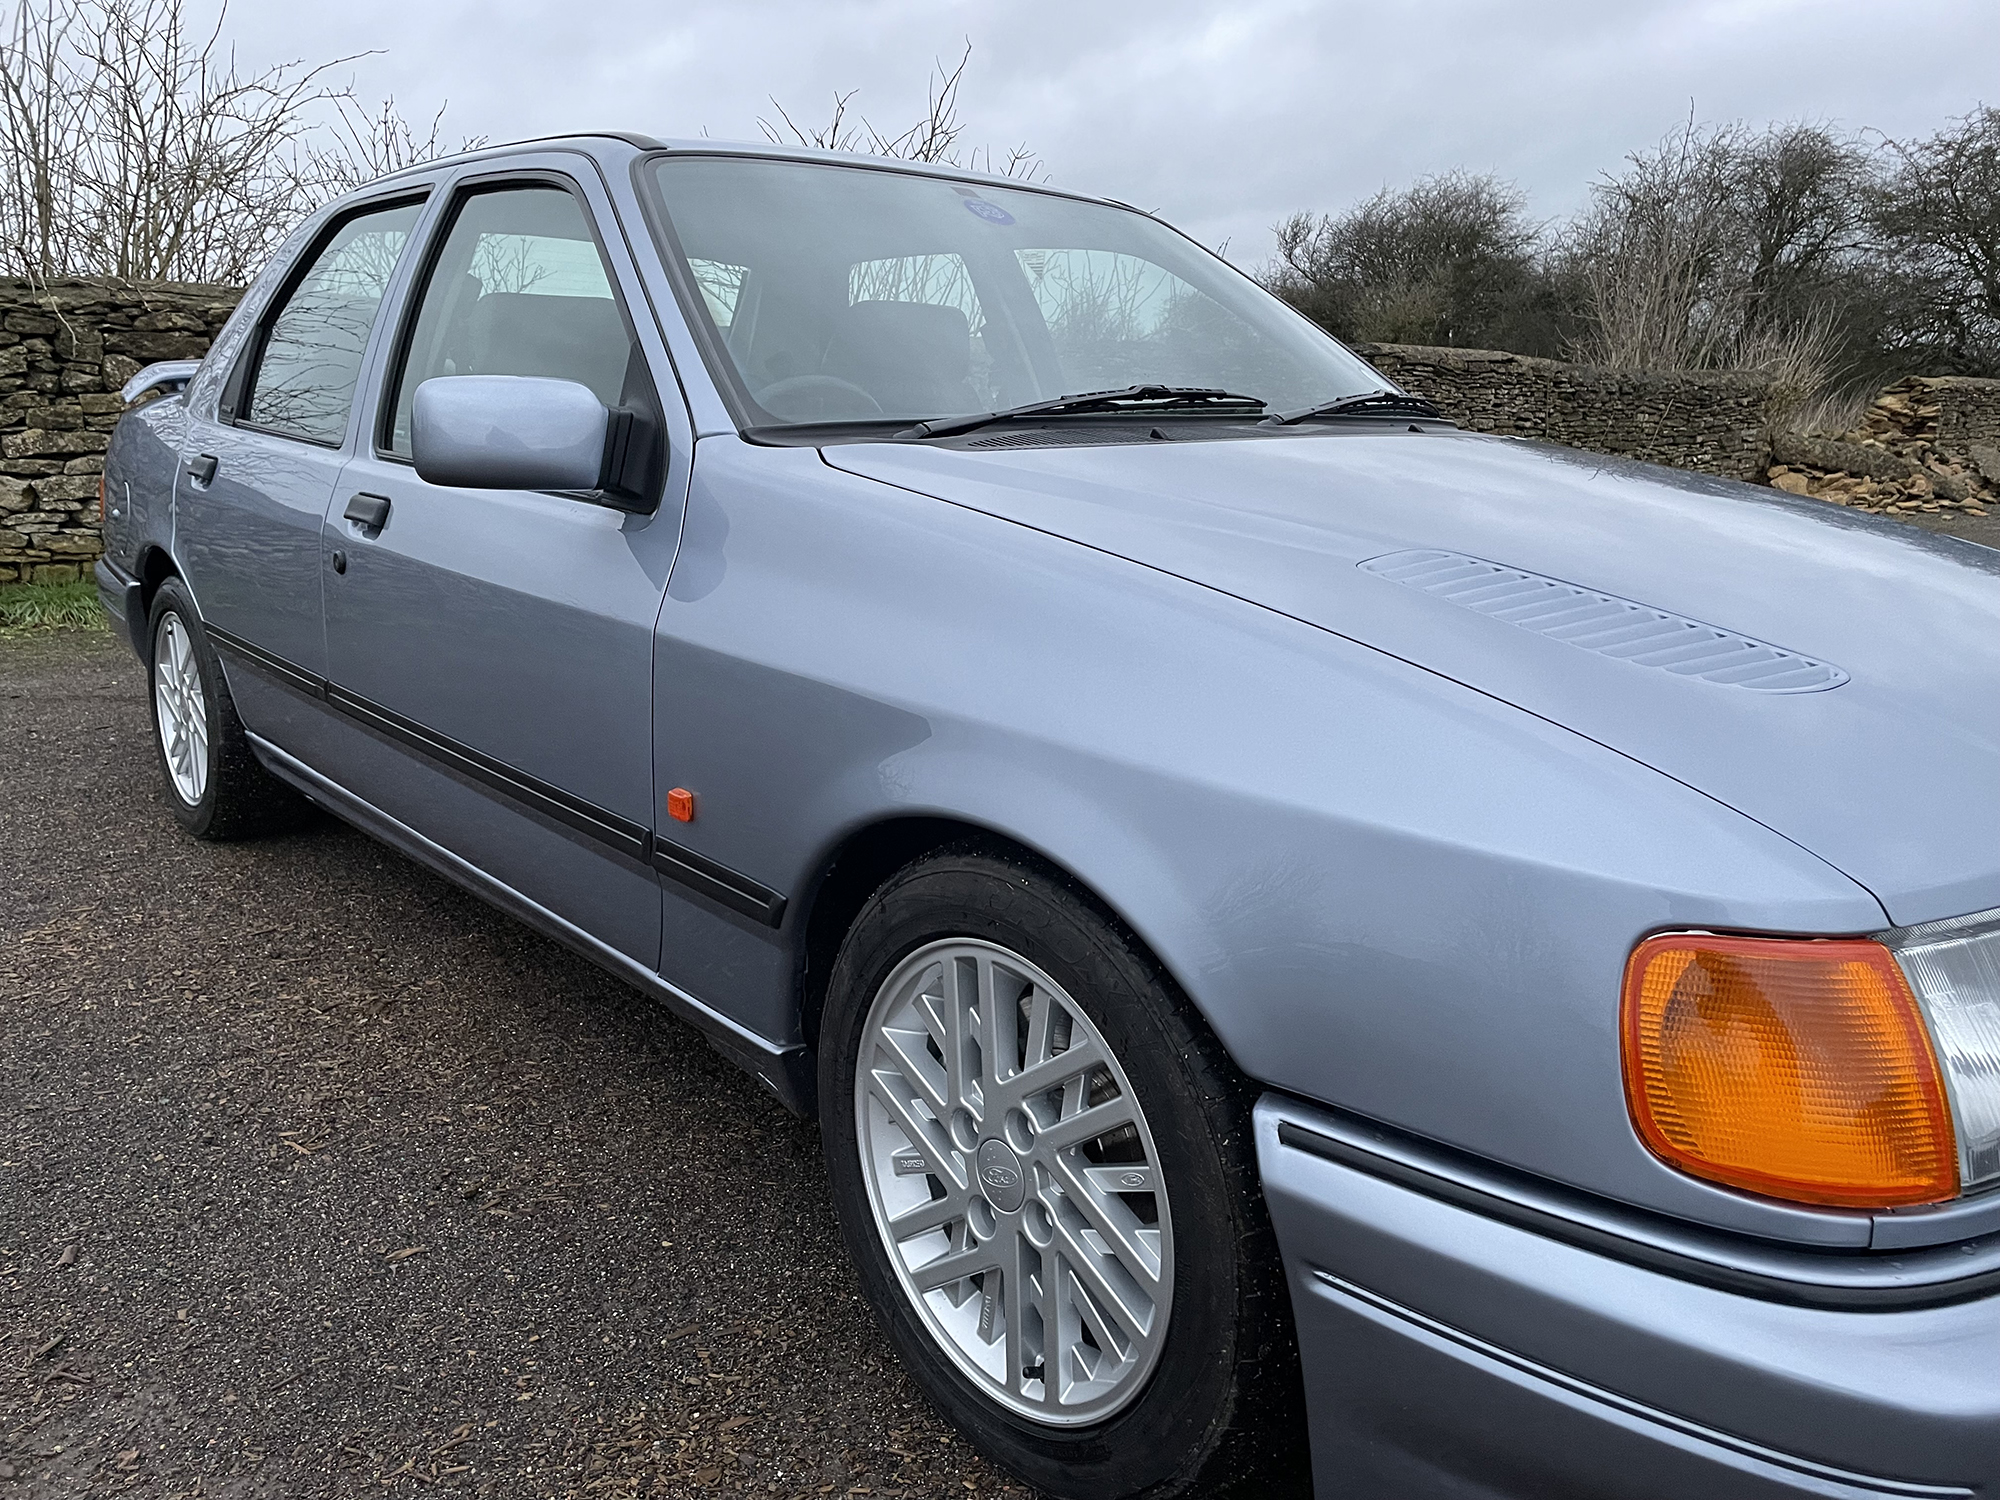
pixel 1001 1176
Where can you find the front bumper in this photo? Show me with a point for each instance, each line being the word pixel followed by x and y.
pixel 1448 1352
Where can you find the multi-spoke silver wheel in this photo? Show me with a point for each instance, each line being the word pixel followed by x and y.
pixel 1014 1182
pixel 181 708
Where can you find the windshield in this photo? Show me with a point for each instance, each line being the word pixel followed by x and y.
pixel 843 294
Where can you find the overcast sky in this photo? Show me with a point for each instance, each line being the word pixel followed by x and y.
pixel 1223 117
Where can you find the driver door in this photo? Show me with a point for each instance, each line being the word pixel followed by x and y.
pixel 494 648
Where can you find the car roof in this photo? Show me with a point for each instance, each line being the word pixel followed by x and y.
pixel 595 143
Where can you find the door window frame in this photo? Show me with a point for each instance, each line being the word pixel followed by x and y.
pixel 499 180
pixel 243 375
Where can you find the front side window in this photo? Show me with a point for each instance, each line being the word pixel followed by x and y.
pixel 311 357
pixel 854 294
pixel 519 287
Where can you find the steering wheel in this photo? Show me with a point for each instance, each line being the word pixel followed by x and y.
pixel 807 398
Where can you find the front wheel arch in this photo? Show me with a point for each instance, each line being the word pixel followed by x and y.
pixel 868 858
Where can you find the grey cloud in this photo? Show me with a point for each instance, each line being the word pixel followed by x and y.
pixel 1222 117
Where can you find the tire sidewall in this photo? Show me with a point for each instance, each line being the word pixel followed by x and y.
pixel 1167 1431
pixel 172 599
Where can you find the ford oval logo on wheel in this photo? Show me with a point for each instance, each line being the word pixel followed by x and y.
pixel 1001 1175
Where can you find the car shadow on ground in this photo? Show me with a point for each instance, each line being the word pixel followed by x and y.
pixel 318 1175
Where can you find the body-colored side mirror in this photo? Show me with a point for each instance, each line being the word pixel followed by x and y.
pixel 509 432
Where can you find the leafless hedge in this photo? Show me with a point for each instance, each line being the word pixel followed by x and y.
pixel 1828 261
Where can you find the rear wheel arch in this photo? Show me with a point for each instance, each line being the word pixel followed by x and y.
pixel 155 567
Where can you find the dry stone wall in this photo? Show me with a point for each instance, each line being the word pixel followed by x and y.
pixel 65 349
pixel 1925 445
pixel 67 346
pixel 1715 423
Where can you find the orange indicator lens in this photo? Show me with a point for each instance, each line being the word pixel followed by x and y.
pixel 1795 1068
pixel 680 805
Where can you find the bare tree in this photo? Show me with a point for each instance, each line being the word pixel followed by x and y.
pixel 1801 194
pixel 1652 252
pixel 358 146
pixel 934 137
pixel 1451 259
pixel 1938 216
pixel 133 146
pixel 41 114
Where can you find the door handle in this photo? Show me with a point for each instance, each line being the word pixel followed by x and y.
pixel 371 511
pixel 201 469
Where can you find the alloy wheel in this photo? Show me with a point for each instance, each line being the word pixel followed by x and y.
pixel 1014 1182
pixel 181 709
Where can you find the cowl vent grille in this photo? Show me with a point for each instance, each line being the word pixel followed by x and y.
pixel 1069 438
pixel 1607 624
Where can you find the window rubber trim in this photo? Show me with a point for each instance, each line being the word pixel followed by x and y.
pixel 695 871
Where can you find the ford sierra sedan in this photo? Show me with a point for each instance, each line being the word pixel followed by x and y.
pixel 1325 948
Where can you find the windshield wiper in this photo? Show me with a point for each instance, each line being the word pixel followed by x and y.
pixel 1133 398
pixel 1388 403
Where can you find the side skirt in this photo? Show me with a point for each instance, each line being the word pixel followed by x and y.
pixel 787 1071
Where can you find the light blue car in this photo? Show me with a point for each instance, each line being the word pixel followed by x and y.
pixel 1310 934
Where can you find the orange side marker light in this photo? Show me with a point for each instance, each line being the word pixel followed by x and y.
pixel 680 805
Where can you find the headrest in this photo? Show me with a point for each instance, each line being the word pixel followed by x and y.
pixel 564 338
pixel 883 345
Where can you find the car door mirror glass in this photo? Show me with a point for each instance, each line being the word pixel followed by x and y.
pixel 509 432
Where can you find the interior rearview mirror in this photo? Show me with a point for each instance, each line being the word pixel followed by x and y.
pixel 511 432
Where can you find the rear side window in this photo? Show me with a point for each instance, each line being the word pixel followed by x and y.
pixel 519 287
pixel 312 347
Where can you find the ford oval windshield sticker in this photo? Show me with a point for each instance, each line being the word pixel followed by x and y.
pixel 992 213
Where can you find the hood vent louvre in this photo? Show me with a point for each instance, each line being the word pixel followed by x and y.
pixel 1607 624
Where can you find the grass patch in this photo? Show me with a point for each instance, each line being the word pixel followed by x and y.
pixel 35 608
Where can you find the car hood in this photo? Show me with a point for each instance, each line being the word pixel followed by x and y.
pixel 1873 742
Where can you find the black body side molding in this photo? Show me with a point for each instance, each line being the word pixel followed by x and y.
pixel 697 872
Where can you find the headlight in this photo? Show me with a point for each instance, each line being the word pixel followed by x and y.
pixel 1954 967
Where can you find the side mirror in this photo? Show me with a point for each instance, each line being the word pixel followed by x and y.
pixel 509 432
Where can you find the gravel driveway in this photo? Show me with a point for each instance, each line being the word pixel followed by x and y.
pixel 319 1177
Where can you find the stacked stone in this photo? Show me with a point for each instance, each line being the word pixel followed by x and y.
pixel 1712 422
pixel 65 349
pixel 1925 445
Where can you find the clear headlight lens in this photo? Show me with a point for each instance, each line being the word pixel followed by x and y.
pixel 1954 969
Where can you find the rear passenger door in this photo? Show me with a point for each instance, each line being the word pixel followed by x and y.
pixel 258 469
pixel 491 651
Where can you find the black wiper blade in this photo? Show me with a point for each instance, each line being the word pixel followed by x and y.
pixel 1133 398
pixel 1388 403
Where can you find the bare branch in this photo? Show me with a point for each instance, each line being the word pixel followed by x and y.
pixel 932 138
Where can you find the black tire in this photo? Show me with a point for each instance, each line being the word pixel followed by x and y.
pixel 240 798
pixel 1221 1413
